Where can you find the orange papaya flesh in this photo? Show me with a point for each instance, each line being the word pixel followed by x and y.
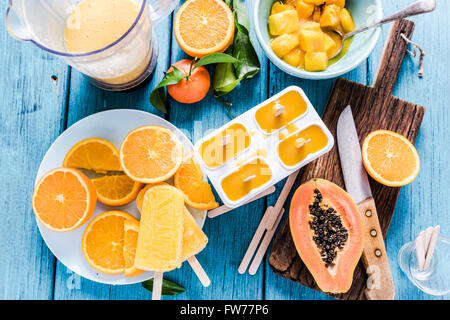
pixel 327 230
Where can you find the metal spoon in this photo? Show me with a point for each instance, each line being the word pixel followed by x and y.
pixel 418 7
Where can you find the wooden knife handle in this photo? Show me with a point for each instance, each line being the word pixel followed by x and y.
pixel 380 285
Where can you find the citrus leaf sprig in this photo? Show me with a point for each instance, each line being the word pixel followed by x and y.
pixel 168 287
pixel 158 95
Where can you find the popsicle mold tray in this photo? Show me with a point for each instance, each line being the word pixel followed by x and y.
pixel 263 146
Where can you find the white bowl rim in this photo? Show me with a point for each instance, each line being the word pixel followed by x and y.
pixel 321 75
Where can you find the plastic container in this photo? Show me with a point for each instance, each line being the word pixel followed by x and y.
pixel 121 65
pixel 263 146
pixel 436 279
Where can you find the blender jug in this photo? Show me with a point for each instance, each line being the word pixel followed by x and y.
pixel 120 65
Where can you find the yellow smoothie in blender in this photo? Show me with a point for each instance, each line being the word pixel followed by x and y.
pixel 225 145
pixel 249 176
pixel 95 24
pixel 295 148
pixel 277 114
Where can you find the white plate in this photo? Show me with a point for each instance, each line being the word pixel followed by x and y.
pixel 113 126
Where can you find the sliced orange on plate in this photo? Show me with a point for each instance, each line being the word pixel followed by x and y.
pixel 101 156
pixel 151 154
pixel 131 229
pixel 203 27
pixel 64 199
pixel 103 242
pixel 93 154
pixel 116 190
pixel 189 179
pixel 390 158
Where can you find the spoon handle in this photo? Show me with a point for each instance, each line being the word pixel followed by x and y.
pixel 418 7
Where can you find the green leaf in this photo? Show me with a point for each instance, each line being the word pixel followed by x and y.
pixel 224 79
pixel 248 64
pixel 158 95
pixel 241 14
pixel 168 288
pixel 215 58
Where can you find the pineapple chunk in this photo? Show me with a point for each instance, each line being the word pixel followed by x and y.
pixel 329 43
pixel 283 22
pixel 347 21
pixel 340 3
pixel 280 7
pixel 316 14
pixel 331 16
pixel 311 40
pixel 304 9
pixel 316 61
pixel 283 44
pixel 295 57
pixel 335 46
pixel 310 25
pixel 315 2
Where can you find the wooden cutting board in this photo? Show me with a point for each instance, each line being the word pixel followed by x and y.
pixel 373 108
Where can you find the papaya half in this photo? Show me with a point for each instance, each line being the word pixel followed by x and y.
pixel 327 230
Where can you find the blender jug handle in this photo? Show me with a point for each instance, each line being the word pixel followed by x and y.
pixel 159 10
pixel 14 23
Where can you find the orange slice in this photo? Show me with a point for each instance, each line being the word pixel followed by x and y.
pixel 116 190
pixel 390 158
pixel 131 229
pixel 93 154
pixel 151 154
pixel 64 199
pixel 189 179
pixel 203 27
pixel 103 242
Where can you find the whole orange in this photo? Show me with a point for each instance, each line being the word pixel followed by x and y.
pixel 190 89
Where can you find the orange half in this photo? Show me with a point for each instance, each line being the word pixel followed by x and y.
pixel 203 27
pixel 151 154
pixel 64 199
pixel 116 190
pixel 103 242
pixel 390 158
pixel 131 229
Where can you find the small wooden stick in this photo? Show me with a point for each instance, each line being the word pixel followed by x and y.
pixel 420 252
pixel 281 199
pixel 255 241
pixel 300 142
pixel 225 140
pixel 264 245
pixel 250 178
pixel 157 285
pixel 427 238
pixel 199 271
pixel 224 209
pixel 432 246
pixel 278 108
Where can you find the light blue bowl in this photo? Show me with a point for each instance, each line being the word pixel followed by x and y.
pixel 363 11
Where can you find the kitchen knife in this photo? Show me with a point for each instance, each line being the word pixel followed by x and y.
pixel 380 285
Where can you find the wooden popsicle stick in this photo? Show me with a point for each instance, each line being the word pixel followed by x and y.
pixel 226 140
pixel 432 246
pixel 250 178
pixel 157 285
pixel 420 252
pixel 281 199
pixel 224 209
pixel 255 241
pixel 199 271
pixel 300 142
pixel 278 108
pixel 264 245
pixel 427 238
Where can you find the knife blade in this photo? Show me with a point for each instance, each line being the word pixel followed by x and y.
pixel 355 176
pixel 380 284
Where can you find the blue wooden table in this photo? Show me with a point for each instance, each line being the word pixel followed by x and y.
pixel 40 97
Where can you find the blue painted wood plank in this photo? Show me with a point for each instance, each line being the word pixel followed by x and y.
pixel 421 203
pixel 31 111
pixel 84 100
pixel 230 234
